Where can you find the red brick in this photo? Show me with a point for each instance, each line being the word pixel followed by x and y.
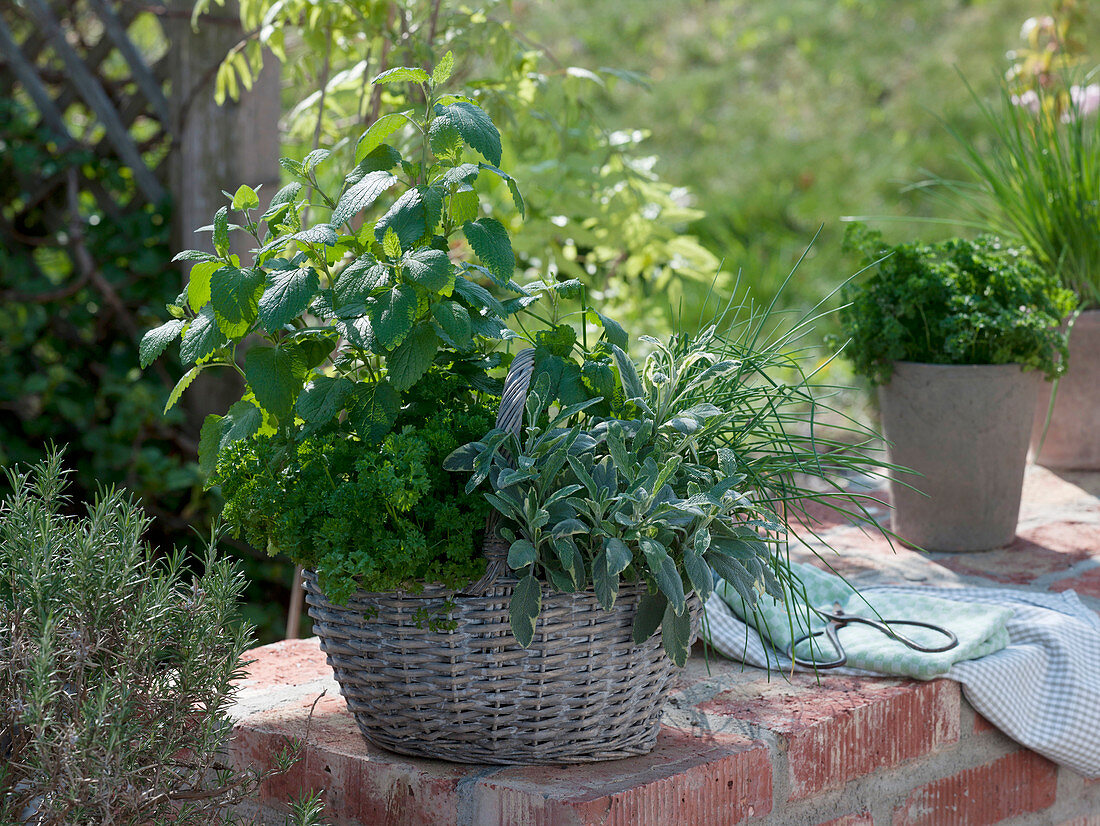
pixel 860 819
pixel 1046 549
pixel 286 663
pixel 1019 783
pixel 982 725
pixel 846 727
pixel 361 784
pixel 1086 584
pixel 688 779
pixel 1047 492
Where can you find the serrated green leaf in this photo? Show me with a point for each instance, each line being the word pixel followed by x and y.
pixel 392 316
pixel 193 255
pixel 358 332
pixel 202 337
pixel 318 234
pixel 198 284
pixel 478 296
pixel 558 340
pixel 245 198
pixel 391 244
pixel 292 166
pixel 442 71
pixel 473 124
pixel 402 74
pixel 156 341
pixel 520 554
pixel 406 218
pixel 525 608
pixel 323 398
pixel 221 231
pixel 275 375
pixel 517 197
pixel 242 421
pixel 377 133
pixel 281 201
pixel 613 331
pixel 287 295
pixel 361 195
pixel 374 410
pixel 464 206
pixel 431 269
pixel 181 385
pixel 411 359
pixel 676 635
pixel 432 198
pixel 489 239
pixel 454 324
pixel 651 610
pixel 445 140
pixel 314 159
pixel 360 279
pixel 210 439
pixel 462 174
pixel 234 294
pixel 380 159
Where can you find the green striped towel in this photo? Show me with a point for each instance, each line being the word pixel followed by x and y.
pixel 981 628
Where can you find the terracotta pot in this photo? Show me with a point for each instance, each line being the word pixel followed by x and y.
pixel 1072 439
pixel 965 429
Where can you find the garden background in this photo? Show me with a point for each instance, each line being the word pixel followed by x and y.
pixel 661 148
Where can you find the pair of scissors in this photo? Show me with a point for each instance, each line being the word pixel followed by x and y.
pixel 837 619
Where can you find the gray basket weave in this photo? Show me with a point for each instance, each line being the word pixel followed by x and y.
pixel 439 674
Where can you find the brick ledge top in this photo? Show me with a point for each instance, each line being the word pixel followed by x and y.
pixel 737 745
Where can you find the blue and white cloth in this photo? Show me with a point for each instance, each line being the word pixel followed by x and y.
pixel 1028 662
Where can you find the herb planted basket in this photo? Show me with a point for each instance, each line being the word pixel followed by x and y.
pixel 512 615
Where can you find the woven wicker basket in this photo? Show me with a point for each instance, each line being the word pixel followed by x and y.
pixel 440 675
pixel 583 691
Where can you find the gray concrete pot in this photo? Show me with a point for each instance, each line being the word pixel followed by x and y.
pixel 1073 437
pixel 965 429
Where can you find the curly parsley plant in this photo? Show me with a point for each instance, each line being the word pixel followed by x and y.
pixel 954 302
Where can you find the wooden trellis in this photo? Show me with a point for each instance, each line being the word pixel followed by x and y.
pixel 75 65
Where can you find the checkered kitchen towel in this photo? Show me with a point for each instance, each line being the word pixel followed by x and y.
pixel 1042 689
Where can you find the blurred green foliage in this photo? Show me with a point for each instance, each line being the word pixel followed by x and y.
pixel 725 134
pixel 785 116
pixel 69 369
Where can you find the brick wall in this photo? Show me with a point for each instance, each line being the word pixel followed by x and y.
pixel 736 748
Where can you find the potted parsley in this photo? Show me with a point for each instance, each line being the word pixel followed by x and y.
pixel 956 336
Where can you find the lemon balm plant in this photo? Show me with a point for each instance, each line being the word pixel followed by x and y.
pixel 365 325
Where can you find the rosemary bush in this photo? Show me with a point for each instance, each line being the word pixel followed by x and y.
pixel 116 669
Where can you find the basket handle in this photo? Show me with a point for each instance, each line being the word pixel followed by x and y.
pixel 513 400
